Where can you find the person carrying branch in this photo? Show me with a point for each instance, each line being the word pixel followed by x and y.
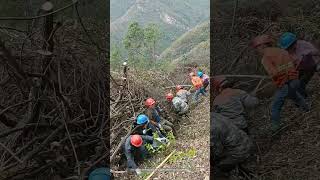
pixel 279 65
pixel 180 105
pixel 230 146
pixel 182 93
pixel 305 56
pixel 198 86
pixel 232 103
pixel 205 79
pixel 134 149
pixel 153 112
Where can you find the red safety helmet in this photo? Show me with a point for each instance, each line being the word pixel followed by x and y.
pixel 150 102
pixel 169 96
pixel 136 140
pixel 259 40
pixel 218 81
pixel 178 87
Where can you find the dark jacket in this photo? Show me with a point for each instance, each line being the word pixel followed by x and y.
pixel 228 140
pixel 232 103
pixel 149 130
pixel 130 151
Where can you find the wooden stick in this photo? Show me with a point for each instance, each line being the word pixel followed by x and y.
pixel 175 86
pixel 256 89
pixel 161 164
pixel 245 76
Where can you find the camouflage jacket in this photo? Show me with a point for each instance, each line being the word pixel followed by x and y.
pixel 228 140
pixel 232 104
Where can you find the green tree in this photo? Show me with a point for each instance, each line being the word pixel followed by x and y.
pixel 152 36
pixel 133 41
pixel 115 57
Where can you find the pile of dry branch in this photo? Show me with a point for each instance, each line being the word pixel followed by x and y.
pixel 53 106
pixel 128 91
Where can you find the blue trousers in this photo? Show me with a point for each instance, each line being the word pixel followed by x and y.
pixel 198 92
pixel 290 90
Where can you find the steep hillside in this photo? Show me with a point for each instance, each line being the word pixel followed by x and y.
pixel 200 54
pixel 174 18
pixel 187 41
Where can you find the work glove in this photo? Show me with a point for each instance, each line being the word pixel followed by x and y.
pixel 144 131
pixel 162 140
pixel 159 126
pixel 138 171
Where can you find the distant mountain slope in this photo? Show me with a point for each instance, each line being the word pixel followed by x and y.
pixel 200 54
pixel 174 17
pixel 187 41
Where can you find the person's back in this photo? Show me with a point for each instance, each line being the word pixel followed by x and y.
pixel 231 146
pixel 304 48
pixel 279 65
pixel 232 103
pixel 183 94
pixel 181 107
pixel 205 77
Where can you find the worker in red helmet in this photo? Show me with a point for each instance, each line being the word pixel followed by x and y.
pixel 180 105
pixel 280 67
pixel 153 112
pixel 169 97
pixel 233 103
pixel 134 150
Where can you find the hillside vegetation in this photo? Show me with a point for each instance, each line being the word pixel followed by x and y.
pixel 187 41
pixel 174 17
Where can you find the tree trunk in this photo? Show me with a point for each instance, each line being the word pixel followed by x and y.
pixel 28 13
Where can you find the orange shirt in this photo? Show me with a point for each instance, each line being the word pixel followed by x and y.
pixel 197 82
pixel 279 65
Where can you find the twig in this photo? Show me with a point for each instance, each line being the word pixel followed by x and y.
pixel 245 76
pixel 13 155
pixel 161 164
pixel 120 144
pixel 168 87
pixel 15 105
pixel 71 142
